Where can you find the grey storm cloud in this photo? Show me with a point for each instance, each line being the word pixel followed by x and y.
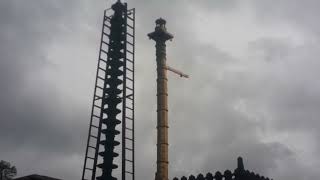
pixel 262 105
pixel 302 15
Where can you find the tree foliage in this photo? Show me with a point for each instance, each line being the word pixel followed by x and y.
pixel 7 172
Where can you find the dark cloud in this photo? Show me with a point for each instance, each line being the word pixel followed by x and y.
pixel 220 6
pixel 34 119
pixel 300 14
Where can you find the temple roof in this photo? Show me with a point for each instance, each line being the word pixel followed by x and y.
pixel 36 177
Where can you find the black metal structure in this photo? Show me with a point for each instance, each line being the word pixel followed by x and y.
pixel 111 129
pixel 239 174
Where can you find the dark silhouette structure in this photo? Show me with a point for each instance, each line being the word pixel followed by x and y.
pixel 238 174
pixel 111 129
pixel 36 177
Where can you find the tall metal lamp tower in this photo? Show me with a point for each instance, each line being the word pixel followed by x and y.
pixel 110 145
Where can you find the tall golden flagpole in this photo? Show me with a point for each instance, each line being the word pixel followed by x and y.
pixel 160 36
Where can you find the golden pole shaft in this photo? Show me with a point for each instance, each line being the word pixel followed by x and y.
pixel 162 113
pixel 160 35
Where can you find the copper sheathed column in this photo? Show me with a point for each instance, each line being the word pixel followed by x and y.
pixel 160 36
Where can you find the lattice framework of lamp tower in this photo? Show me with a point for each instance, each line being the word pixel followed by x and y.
pixel 110 144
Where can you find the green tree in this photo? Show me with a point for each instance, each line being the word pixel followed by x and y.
pixel 7 171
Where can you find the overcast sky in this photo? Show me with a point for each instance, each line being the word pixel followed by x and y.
pixel 254 89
